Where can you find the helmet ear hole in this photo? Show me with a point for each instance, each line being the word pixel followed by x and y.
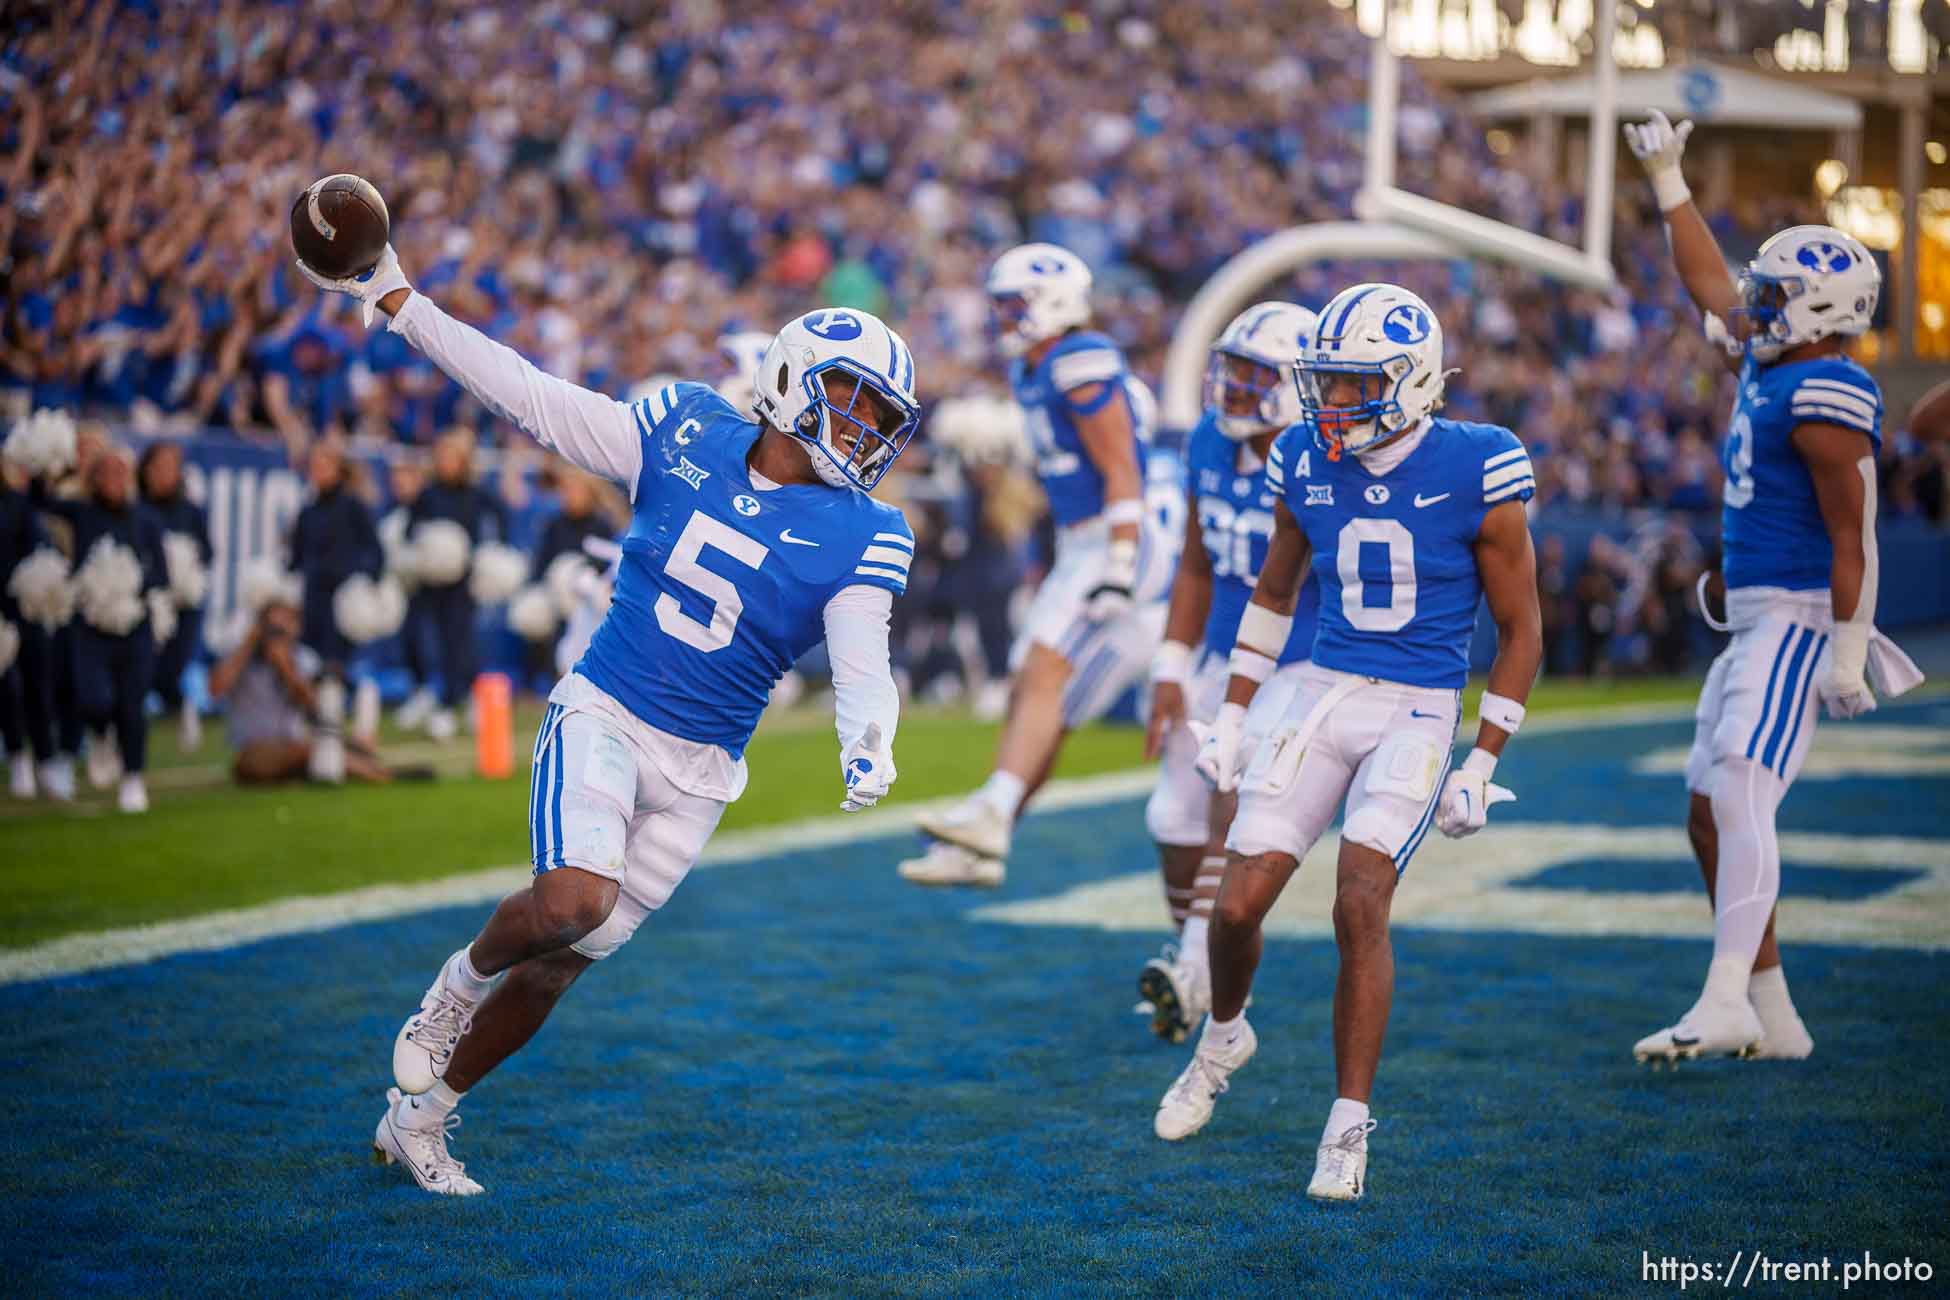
pixel 783 376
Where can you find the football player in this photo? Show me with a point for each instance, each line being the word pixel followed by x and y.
pixel 1096 620
pixel 1250 398
pixel 750 541
pixel 1798 537
pixel 1407 521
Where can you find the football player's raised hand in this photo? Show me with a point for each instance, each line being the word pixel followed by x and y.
pixel 869 771
pixel 369 288
pixel 1659 145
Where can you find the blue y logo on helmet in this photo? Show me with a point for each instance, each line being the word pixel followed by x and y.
pixel 1406 323
pixel 837 326
pixel 1824 257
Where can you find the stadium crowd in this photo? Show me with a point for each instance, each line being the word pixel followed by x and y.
pixel 612 191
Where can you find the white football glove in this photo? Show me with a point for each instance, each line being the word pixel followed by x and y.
pixel 1111 597
pixel 369 288
pixel 869 771
pixel 1844 684
pixel 1220 757
pixel 1658 145
pixel 1468 795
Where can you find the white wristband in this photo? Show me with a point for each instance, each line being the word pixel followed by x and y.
pixel 1670 188
pixel 1482 762
pixel 1262 630
pixel 1500 711
pixel 1130 510
pixel 1172 663
pixel 1249 663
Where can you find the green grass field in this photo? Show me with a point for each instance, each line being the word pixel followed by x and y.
pixel 208 845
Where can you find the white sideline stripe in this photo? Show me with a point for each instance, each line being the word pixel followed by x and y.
pixel 76 954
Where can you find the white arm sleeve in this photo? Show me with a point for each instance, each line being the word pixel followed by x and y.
pixel 586 428
pixel 863 674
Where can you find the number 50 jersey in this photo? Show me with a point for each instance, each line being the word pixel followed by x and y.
pixel 723 585
pixel 1395 553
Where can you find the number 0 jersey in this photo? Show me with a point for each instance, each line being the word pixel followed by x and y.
pixel 1235 522
pixel 722 586
pixel 1395 552
pixel 1770 523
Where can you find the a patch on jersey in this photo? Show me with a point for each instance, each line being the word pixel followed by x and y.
pixel 835 325
pixel 745 504
pixel 1406 323
pixel 689 471
pixel 888 557
pixel 683 435
pixel 1320 494
pixel 1377 494
pixel 1507 474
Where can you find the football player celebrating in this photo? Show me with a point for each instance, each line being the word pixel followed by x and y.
pixel 1798 536
pixel 1250 398
pixel 750 542
pixel 1407 521
pixel 1096 620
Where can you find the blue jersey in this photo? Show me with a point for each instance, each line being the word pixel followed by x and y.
pixel 1771 525
pixel 1235 524
pixel 1070 478
pixel 1164 499
pixel 1395 553
pixel 721 587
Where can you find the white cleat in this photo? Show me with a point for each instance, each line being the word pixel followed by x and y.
pixel 20 776
pixel 418 708
pixel 441 725
pixel 104 760
pixel 950 864
pixel 426 1041
pixel 1710 1029
pixel 1341 1166
pixel 1782 1040
pixel 57 779
pixel 422 1148
pixel 1187 1104
pixel 975 825
pixel 133 796
pixel 1178 992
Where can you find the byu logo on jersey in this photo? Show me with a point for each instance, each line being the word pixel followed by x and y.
pixel 1824 257
pixel 745 504
pixel 1406 323
pixel 838 326
pixel 1377 494
pixel 1320 494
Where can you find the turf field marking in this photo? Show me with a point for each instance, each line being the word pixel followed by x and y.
pixel 1470 885
pixel 1852 749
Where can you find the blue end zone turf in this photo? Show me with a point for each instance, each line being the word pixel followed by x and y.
pixel 1670 875
pixel 805 1076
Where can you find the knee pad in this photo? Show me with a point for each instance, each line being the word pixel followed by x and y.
pixel 613 933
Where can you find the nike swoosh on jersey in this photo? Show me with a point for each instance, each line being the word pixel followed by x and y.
pixel 1421 500
pixel 785 535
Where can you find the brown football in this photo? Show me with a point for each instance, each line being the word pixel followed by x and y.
pixel 339 226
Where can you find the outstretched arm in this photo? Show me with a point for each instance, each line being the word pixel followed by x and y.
pixel 1695 253
pixel 1103 416
pixel 596 432
pixel 1844 471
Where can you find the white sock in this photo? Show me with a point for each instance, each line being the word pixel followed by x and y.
pixel 1221 1033
pixel 1768 991
pixel 464 980
pixel 1191 943
pixel 1003 791
pixel 1749 877
pixel 1346 1114
pixel 1726 979
pixel 430 1109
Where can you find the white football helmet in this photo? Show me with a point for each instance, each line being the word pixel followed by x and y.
pixel 1806 283
pixel 1257 397
pixel 745 350
pixel 1381 344
pixel 850 442
pixel 1037 291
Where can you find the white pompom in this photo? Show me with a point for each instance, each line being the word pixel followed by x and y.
pixel 498 573
pixel 109 588
pixel 43 444
pixel 9 644
pixel 162 615
pixel 532 613
pixel 441 550
pixel 264 580
pixel 368 609
pixel 399 555
pixel 225 636
pixel 40 586
pixel 563 580
pixel 189 580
